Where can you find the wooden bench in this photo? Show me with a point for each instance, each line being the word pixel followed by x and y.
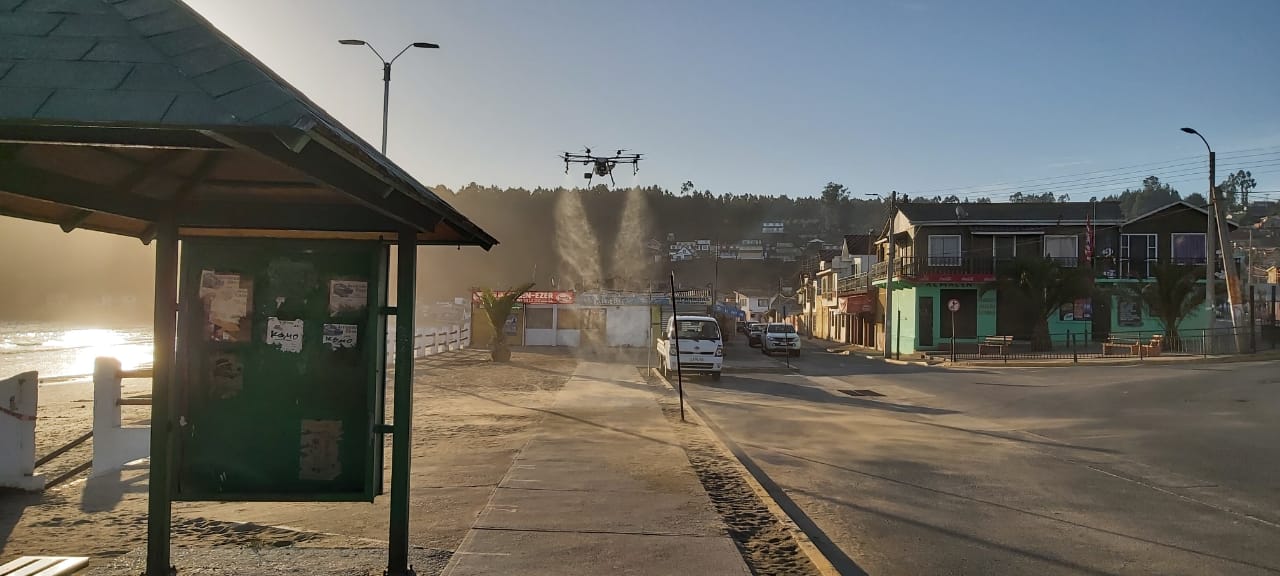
pixel 999 343
pixel 1134 347
pixel 44 565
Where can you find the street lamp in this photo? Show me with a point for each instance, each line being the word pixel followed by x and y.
pixel 386 76
pixel 1234 297
pixel 1211 235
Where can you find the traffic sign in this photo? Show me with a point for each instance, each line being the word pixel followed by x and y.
pixel 953 305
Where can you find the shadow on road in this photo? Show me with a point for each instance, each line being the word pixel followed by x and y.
pixel 748 385
pixel 998 505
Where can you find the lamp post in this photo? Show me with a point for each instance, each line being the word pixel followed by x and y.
pixel 1210 237
pixel 1218 231
pixel 386 76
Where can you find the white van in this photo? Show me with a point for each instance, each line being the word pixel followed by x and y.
pixel 701 346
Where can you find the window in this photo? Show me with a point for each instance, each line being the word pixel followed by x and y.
pixel 537 318
pixel 781 329
pixel 762 302
pixel 944 250
pixel 567 319
pixel 1188 248
pixel 1063 249
pixel 1138 253
pixel 698 330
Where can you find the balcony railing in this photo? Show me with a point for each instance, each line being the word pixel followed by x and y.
pixel 979 269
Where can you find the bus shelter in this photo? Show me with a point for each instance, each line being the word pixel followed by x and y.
pixel 272 224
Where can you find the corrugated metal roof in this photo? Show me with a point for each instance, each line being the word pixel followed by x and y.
pixel 156 64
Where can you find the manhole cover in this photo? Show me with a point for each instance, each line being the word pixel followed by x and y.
pixel 862 393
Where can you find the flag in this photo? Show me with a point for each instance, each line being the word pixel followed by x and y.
pixel 1088 239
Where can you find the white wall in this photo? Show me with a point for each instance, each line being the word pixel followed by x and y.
pixel 627 325
pixel 539 337
pixel 18 432
pixel 568 337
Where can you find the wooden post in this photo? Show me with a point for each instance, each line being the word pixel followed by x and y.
pixel 406 293
pixel 165 334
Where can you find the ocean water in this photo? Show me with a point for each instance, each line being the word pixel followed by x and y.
pixel 62 350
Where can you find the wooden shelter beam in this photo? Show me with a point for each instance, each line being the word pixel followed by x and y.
pixel 319 163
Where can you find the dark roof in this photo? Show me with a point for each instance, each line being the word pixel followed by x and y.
pixel 146 77
pixel 826 255
pixel 1179 205
pixel 859 243
pixel 921 212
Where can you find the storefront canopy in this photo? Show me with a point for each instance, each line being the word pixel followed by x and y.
pixel 116 114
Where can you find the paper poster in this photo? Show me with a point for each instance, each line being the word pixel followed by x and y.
pixel 340 336
pixel 347 296
pixel 318 454
pixel 226 305
pixel 284 334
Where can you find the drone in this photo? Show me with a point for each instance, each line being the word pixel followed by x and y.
pixel 602 165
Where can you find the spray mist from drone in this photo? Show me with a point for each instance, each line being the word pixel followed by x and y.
pixel 631 260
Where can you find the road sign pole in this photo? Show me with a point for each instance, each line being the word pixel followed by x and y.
pixel 954 306
pixel 675 342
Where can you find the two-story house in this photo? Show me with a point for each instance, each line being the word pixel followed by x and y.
pixel 755 307
pixel 950 252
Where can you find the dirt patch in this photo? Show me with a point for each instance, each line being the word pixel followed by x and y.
pixel 470 417
pixel 765 543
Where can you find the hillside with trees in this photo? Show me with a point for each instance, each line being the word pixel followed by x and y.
pixel 620 238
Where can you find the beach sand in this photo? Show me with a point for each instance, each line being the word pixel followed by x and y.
pixel 470 418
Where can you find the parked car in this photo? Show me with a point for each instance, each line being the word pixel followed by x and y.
pixel 754 332
pixel 780 338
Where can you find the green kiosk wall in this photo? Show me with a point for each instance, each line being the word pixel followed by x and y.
pixel 281 358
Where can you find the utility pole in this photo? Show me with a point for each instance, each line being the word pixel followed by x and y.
pixel 1234 294
pixel 888 283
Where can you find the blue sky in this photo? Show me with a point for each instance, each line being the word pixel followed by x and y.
pixel 781 97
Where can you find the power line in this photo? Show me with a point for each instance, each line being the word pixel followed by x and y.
pixel 1146 167
pixel 1112 183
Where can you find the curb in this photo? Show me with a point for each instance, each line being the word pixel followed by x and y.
pixel 802 538
pixel 1166 361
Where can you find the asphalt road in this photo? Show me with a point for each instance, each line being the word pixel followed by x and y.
pixel 1075 470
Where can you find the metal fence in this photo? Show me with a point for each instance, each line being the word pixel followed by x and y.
pixel 1261 335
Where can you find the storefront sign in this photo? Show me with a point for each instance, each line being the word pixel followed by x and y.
pixel 947 277
pixel 855 304
pixel 558 297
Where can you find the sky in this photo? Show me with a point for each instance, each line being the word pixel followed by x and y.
pixel 919 96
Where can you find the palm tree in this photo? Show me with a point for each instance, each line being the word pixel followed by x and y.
pixel 1175 293
pixel 498 308
pixel 1039 287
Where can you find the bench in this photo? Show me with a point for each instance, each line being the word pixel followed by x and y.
pixel 999 343
pixel 1134 347
pixel 44 565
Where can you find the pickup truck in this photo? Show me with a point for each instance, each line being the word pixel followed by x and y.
pixel 700 344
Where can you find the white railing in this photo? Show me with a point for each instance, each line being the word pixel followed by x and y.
pixel 18 432
pixel 431 340
pixel 115 445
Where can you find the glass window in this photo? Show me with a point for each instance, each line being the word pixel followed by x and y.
pixel 698 329
pixel 1062 248
pixel 1188 248
pixel 568 319
pixel 944 250
pixel 537 318
pixel 782 329
pixel 762 302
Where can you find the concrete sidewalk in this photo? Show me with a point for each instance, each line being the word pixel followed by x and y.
pixel 603 488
